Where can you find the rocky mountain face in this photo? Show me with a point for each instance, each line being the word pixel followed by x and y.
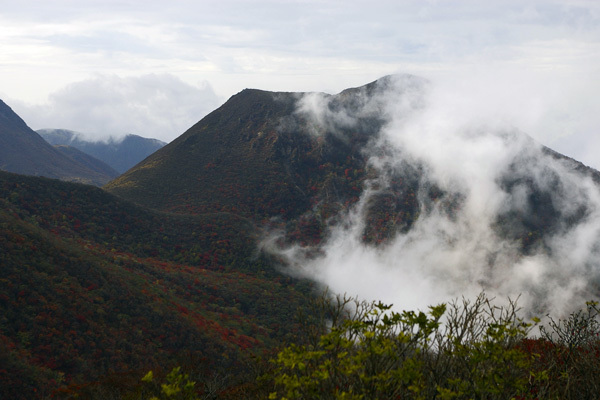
pixel 119 154
pixel 23 151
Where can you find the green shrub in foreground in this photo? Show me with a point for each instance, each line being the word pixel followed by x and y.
pixel 462 350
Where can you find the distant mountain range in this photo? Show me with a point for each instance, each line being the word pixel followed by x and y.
pixel 24 151
pixel 66 155
pixel 119 154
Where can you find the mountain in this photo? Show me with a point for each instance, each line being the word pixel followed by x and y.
pixel 252 156
pixel 263 155
pixel 119 154
pixel 381 178
pixel 86 160
pixel 24 151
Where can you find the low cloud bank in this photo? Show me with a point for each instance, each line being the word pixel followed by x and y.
pixel 153 106
pixel 499 179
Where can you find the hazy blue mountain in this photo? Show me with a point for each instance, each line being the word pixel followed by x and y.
pixel 23 151
pixel 85 159
pixel 121 155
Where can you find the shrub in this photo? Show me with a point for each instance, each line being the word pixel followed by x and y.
pixel 459 350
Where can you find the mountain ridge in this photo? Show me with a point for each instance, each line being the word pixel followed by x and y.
pixel 23 151
pixel 120 154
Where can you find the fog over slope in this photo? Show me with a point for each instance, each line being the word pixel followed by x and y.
pixel 462 144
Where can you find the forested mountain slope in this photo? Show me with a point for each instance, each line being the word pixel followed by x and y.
pixel 189 253
pixel 92 286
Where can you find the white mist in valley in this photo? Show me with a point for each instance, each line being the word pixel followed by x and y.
pixel 466 143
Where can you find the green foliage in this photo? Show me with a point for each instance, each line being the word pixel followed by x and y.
pixel 466 350
pixel 178 386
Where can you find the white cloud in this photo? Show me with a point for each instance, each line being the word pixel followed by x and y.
pixel 464 147
pixel 156 106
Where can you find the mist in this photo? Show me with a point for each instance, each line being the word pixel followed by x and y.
pixel 465 142
pixel 109 107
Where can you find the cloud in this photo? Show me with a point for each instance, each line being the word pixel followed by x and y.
pixel 495 180
pixel 156 106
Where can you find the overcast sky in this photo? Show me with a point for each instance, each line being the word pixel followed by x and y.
pixel 154 68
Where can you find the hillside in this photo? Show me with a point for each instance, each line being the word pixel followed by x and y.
pixel 120 154
pixel 93 287
pixel 24 151
pixel 86 160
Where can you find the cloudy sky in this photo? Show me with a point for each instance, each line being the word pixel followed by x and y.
pixel 156 67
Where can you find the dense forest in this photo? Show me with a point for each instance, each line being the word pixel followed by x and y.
pixel 93 287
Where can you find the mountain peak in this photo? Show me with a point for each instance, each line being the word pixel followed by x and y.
pixel 390 83
pixel 120 154
pixel 9 118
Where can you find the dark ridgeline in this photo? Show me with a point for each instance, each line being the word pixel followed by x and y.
pixel 119 154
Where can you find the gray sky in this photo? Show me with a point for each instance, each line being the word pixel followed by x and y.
pixel 156 67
